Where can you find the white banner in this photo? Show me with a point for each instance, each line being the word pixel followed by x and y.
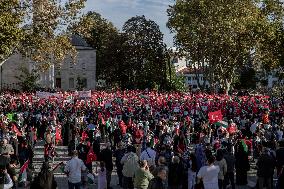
pixel 42 94
pixel 85 94
pixel 48 95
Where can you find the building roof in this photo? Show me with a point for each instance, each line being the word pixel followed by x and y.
pixel 185 71
pixel 79 41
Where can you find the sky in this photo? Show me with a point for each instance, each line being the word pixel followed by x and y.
pixel 119 11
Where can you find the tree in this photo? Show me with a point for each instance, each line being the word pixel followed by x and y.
pixel 47 40
pixel 218 35
pixel 102 36
pixel 11 16
pixel 28 80
pixel 144 53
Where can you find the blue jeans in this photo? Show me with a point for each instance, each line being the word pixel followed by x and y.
pixel 74 185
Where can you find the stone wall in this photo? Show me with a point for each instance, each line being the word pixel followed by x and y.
pixel 85 67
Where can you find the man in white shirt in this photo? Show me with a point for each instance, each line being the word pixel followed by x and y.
pixel 73 169
pixel 149 155
pixel 209 174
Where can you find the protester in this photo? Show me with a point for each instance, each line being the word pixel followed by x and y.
pixel 5 179
pixel 209 174
pixel 242 164
pixel 280 157
pixel 142 175
pixel 161 125
pixel 192 171
pixel 6 150
pixel 73 170
pixel 130 165
pixel 102 176
pixel 157 182
pixel 230 160
pixel 221 162
pixel 45 178
pixel 149 155
pixel 118 154
pixel 106 157
pixel 265 169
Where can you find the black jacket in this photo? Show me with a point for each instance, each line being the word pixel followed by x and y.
pixel 280 157
pixel 106 156
pixel 43 181
pixel 265 165
pixel 156 183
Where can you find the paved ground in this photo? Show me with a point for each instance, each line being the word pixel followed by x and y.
pixel 63 156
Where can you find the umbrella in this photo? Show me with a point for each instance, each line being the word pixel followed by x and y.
pixel 91 127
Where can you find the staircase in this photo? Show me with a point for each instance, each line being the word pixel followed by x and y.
pixel 38 159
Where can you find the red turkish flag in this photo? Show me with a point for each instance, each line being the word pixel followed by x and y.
pixel 58 134
pixel 91 156
pixel 215 116
pixel 16 130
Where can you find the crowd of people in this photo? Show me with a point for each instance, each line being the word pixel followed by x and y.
pixel 152 140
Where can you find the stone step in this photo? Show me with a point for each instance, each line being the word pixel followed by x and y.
pixel 57 159
pixel 56 147
pixel 61 153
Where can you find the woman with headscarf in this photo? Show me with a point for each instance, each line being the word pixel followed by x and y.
pixel 45 178
pixel 242 163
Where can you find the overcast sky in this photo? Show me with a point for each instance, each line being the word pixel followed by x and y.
pixel 119 11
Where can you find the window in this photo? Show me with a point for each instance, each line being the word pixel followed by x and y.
pixel 58 82
pixel 189 78
pixel 83 66
pixel 84 82
pixel 71 83
pixel 194 86
pixel 71 64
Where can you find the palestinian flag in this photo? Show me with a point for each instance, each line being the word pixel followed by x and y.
pixel 243 143
pixel 25 166
pixel 223 124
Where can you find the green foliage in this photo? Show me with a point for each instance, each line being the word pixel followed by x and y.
pixel 175 82
pixel 28 80
pixel 102 36
pixel 144 53
pixel 223 34
pixel 10 32
pixel 46 39
pixel 247 79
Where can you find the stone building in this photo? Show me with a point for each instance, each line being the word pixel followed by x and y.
pixel 82 75
pixel 68 76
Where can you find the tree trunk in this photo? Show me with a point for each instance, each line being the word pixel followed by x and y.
pixel 227 86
